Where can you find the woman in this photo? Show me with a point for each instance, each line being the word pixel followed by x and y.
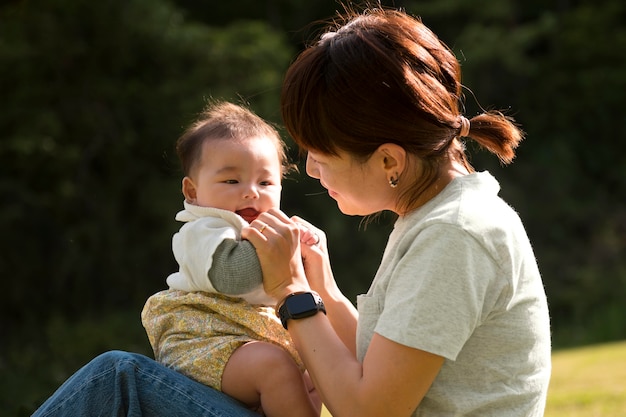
pixel 456 319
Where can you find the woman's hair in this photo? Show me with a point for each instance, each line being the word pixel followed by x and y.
pixel 224 120
pixel 382 76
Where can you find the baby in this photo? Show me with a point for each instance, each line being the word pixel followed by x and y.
pixel 215 323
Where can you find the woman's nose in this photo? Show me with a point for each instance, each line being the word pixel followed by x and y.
pixel 311 168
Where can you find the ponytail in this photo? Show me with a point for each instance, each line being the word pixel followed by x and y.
pixel 497 133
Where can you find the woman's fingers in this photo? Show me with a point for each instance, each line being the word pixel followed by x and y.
pixel 276 240
pixel 268 224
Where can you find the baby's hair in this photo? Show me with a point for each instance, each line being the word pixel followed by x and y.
pixel 225 120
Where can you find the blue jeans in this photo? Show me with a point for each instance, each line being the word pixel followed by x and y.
pixel 128 384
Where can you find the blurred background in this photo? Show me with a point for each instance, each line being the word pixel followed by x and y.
pixel 94 95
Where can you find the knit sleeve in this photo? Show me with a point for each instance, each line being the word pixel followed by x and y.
pixel 236 269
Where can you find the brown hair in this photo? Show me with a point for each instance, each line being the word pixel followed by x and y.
pixel 382 76
pixel 224 120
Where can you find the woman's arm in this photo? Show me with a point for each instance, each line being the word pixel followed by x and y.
pixel 392 379
pixel 341 312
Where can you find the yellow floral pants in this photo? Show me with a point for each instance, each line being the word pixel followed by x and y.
pixel 196 332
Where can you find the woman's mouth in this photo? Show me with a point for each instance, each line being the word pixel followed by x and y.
pixel 330 192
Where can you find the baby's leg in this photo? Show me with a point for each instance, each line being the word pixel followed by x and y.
pixel 265 375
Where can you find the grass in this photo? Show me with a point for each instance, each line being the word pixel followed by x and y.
pixel 586 382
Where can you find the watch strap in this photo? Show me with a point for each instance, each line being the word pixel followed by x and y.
pixel 299 305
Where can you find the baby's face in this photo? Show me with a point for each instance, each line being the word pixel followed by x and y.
pixel 243 176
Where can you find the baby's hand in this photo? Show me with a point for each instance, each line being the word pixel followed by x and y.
pixel 315 257
pixel 308 236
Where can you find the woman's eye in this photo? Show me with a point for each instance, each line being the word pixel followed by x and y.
pixel 314 160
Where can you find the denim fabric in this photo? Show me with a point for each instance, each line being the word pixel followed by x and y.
pixel 119 383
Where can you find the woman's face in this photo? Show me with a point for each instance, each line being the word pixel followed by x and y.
pixel 359 188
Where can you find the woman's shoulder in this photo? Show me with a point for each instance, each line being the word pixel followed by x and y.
pixel 480 207
pixel 461 201
pixel 471 205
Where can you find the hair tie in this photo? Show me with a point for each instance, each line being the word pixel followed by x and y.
pixel 465 126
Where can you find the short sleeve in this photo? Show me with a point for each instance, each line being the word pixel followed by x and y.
pixel 235 269
pixel 436 294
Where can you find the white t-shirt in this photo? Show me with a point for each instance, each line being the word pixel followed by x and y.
pixel 459 279
pixel 206 264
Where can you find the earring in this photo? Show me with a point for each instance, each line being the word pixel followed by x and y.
pixel 393 182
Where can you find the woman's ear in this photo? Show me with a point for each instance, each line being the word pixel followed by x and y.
pixel 189 190
pixel 394 159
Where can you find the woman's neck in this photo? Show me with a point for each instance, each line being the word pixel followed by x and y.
pixel 448 171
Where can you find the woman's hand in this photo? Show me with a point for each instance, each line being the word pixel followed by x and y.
pixel 277 242
pixel 316 260
pixel 308 236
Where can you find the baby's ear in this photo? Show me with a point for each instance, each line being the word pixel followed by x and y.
pixel 189 190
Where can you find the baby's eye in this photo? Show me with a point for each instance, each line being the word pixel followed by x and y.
pixel 231 182
pixel 265 183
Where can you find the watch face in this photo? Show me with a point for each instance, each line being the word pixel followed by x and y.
pixel 304 303
pixel 300 305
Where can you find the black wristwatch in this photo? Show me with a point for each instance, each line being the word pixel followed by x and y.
pixel 300 305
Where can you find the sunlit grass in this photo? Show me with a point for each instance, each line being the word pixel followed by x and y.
pixel 586 382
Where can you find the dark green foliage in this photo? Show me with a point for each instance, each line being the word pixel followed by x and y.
pixel 34 365
pixel 559 70
pixel 94 94
pixel 97 94
pixel 577 116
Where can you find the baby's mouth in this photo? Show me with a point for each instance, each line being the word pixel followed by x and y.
pixel 249 214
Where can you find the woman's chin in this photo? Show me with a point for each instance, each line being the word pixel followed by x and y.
pixel 348 211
